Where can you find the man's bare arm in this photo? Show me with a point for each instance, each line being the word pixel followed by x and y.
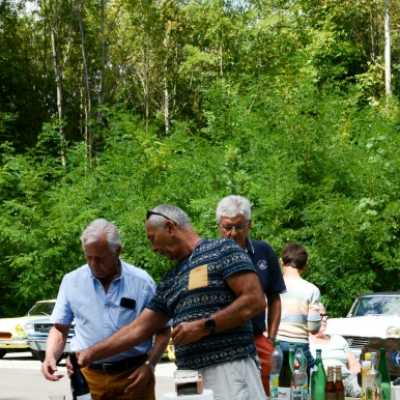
pixel 142 328
pixel 55 348
pixel 274 315
pixel 160 343
pixel 249 302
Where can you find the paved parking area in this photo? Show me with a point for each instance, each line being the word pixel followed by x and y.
pixel 20 379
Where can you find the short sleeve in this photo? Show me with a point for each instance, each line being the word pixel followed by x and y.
pixel 62 313
pixel 234 260
pixel 158 301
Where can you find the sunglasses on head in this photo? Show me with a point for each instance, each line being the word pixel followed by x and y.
pixel 150 213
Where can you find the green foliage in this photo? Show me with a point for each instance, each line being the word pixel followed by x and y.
pixel 279 101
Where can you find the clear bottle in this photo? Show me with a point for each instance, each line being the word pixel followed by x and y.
pixel 79 386
pixel 318 379
pixel 373 385
pixel 339 383
pixel 299 382
pixel 276 366
pixel 365 367
pixel 301 358
pixel 330 390
pixel 384 375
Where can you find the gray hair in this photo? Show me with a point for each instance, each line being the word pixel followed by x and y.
pixel 171 212
pixel 232 206
pixel 99 228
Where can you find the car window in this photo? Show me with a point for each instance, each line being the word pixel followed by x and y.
pixel 42 308
pixel 377 305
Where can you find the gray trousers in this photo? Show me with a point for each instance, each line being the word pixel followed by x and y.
pixel 235 380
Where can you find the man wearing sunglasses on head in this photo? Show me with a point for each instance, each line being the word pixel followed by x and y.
pixel 210 296
pixel 234 222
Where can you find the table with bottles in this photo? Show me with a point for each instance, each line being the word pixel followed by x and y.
pixel 289 377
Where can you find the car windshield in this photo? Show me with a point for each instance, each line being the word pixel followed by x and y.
pixel 42 308
pixel 377 305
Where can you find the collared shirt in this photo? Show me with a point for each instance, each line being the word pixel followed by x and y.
pixel 268 270
pixel 196 288
pixel 98 314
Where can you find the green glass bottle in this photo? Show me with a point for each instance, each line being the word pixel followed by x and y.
pixel 384 373
pixel 318 379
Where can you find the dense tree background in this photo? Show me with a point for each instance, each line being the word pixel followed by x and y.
pixel 109 107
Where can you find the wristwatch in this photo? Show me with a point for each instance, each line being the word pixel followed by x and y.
pixel 210 325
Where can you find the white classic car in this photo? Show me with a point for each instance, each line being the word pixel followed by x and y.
pixel 14 331
pixel 375 315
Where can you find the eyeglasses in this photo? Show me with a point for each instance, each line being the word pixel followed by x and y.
pixel 237 227
pixel 150 213
pixel 324 317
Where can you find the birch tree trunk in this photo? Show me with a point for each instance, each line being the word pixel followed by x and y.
pixel 388 68
pixel 87 106
pixel 58 73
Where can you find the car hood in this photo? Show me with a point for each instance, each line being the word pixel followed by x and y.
pixel 366 326
pixel 10 324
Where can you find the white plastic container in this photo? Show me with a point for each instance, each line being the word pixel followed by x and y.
pixel 395 392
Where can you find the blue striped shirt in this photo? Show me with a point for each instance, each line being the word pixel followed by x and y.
pixel 99 314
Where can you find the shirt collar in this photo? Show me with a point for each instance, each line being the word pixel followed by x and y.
pixel 119 277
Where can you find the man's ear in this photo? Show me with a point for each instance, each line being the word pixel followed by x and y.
pixel 249 224
pixel 170 226
pixel 118 250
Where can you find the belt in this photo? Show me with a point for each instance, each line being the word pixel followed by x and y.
pixel 126 364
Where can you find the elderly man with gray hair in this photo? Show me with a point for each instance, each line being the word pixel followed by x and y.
pixel 210 296
pixel 234 221
pixel 101 297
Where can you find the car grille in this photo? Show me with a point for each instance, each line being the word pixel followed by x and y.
pixel 356 341
pixel 42 328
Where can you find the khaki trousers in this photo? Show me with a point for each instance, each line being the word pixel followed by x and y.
pixel 111 386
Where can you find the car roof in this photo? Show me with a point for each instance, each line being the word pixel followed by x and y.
pixel 47 301
pixel 381 294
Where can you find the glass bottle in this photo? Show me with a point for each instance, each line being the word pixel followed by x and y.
pixel 79 386
pixel 339 383
pixel 330 390
pixel 365 367
pixel 373 387
pixel 384 375
pixel 318 379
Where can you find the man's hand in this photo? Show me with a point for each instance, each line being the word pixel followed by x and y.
pixel 140 378
pixel 84 357
pixel 49 367
pixel 70 367
pixel 189 332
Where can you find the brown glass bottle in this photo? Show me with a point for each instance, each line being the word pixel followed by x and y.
pixel 330 389
pixel 339 384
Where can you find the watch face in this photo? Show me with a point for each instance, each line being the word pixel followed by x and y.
pixel 210 325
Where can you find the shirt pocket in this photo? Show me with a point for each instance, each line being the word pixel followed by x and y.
pixel 125 315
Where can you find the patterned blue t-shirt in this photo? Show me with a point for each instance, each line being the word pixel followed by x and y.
pixel 195 289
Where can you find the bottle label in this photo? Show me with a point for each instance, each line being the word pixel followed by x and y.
pixel 297 394
pixel 274 386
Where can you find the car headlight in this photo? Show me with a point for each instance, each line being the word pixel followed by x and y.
pixel 393 332
pixel 19 331
pixel 29 328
